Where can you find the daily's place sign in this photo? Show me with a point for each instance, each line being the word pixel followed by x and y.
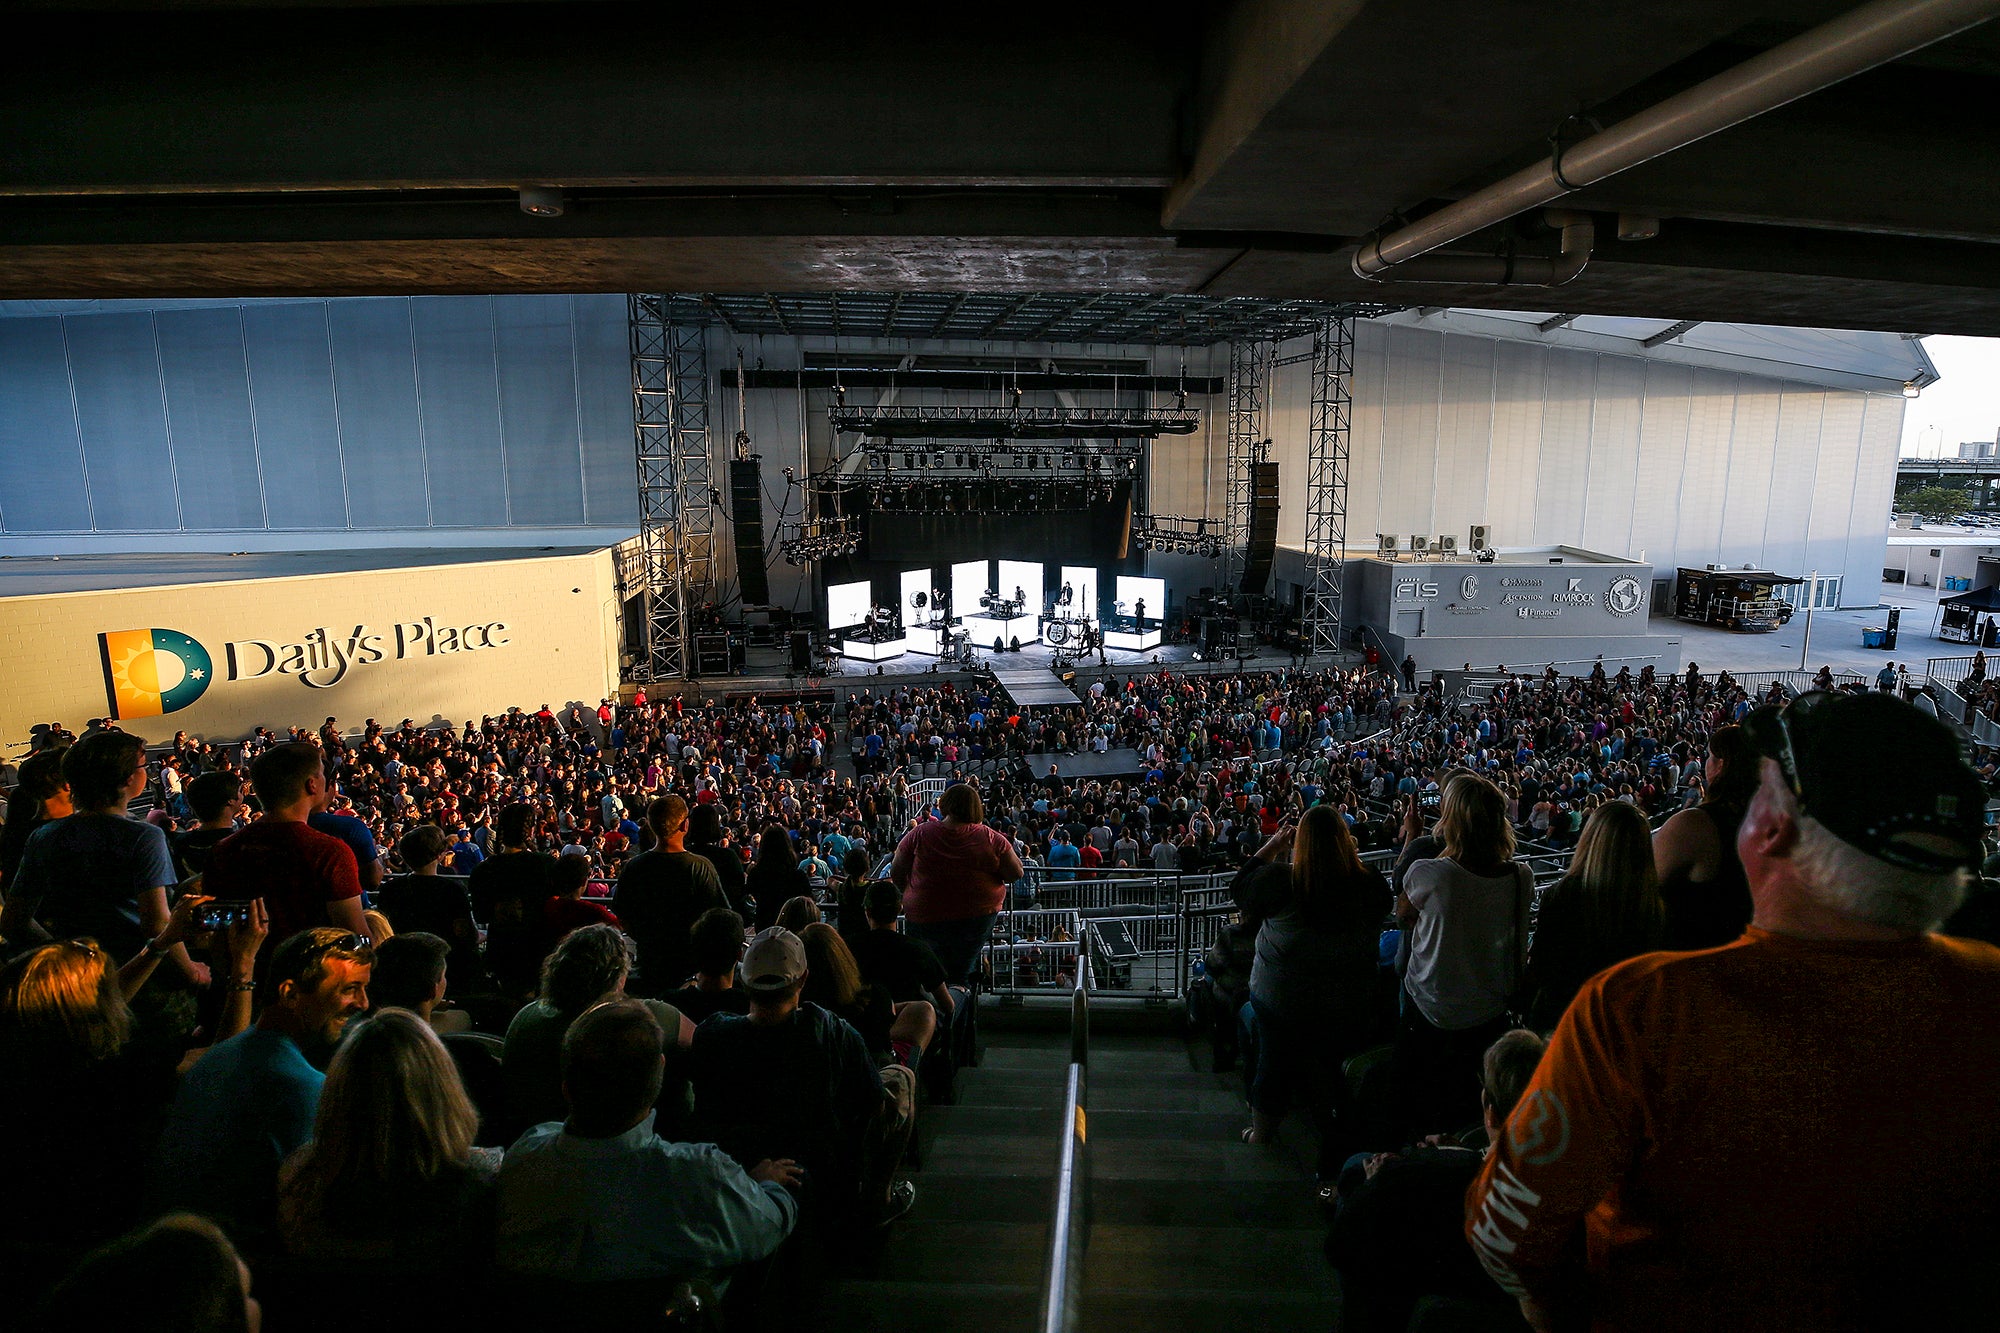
pixel 151 672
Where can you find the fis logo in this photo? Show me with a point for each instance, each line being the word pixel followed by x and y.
pixel 150 672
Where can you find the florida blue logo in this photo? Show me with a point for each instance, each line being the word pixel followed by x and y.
pixel 149 672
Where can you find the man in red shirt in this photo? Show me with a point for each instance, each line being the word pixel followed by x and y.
pixel 306 878
pixel 1794 1130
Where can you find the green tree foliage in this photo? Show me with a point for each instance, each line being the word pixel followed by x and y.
pixel 1934 502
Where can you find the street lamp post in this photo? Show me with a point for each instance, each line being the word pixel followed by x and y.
pixel 1812 595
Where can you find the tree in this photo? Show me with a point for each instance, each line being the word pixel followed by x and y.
pixel 1934 502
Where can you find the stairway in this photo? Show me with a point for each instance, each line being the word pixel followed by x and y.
pixel 1190 1229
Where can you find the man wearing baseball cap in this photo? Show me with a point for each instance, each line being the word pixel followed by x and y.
pixel 790 1080
pixel 1794 1130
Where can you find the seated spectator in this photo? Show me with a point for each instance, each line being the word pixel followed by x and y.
pixel 906 968
pixel 660 895
pixel 718 948
pixel 792 1080
pixel 391 1179
pixel 508 891
pixel 412 972
pixel 798 913
pixel 849 914
pixel 602 1196
pixel 895 1034
pixel 249 1103
pixel 1400 1233
pixel 590 966
pixel 308 879
pixel 97 873
pixel 1312 986
pixel 216 801
pixel 1605 910
pixel 178 1275
pixel 566 909
pixel 441 905
pixel 1467 914
pixel 84 1100
pixel 774 877
pixel 42 797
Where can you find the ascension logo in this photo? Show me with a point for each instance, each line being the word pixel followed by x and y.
pixel 150 672
pixel 1624 597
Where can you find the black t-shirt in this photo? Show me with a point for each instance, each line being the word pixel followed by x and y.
pixel 191 849
pixel 728 872
pixel 508 892
pixel 441 906
pixel 771 885
pixel 660 896
pixel 698 1004
pixel 1401 1236
pixel 905 968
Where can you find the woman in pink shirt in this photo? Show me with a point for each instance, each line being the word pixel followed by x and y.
pixel 954 874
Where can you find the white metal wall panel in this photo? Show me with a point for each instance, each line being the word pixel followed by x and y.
pixel 463 442
pixel 1562 476
pixel 1364 475
pixel 42 484
pixel 1662 462
pixel 1827 531
pixel 1874 491
pixel 1752 446
pixel 1615 422
pixel 217 471
pixel 381 436
pixel 1705 482
pixel 1410 430
pixel 538 413
pixel 298 419
pixel 602 362
pixel 120 409
pixel 1794 467
pixel 1520 372
pixel 1465 435
pixel 1291 430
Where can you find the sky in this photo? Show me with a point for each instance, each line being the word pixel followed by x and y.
pixel 1963 405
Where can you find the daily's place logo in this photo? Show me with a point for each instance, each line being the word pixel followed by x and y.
pixel 150 672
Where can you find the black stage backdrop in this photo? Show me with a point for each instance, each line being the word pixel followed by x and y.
pixel 1099 535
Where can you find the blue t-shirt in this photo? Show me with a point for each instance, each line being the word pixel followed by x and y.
pixel 244 1107
pixel 83 876
pixel 350 830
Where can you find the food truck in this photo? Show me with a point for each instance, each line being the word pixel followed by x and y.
pixel 1740 599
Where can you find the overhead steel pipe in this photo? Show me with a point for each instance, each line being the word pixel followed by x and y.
pixel 1860 40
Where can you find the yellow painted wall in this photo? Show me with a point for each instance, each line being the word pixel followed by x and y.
pixel 559 645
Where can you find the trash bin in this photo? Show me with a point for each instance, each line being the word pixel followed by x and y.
pixel 1872 636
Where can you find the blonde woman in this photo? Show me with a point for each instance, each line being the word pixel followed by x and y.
pixel 391 1177
pixel 1605 910
pixel 1466 911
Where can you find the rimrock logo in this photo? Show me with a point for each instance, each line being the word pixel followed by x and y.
pixel 152 672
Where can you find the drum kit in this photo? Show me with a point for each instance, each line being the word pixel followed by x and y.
pixel 1000 608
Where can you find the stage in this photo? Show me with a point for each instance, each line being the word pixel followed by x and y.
pixel 1031 684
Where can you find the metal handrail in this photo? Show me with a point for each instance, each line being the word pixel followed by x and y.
pixel 1069 1230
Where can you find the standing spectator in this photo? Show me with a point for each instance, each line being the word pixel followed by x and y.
pixel 508 892
pixel 424 900
pixel 334 816
pixel 217 802
pixel 775 876
pixel 1605 910
pixel 250 1101
pixel 41 797
pixel 954 873
pixel 602 1197
pixel 306 878
pixel 1410 675
pixel 391 1176
pixel 1312 987
pixel 1467 914
pixel 705 839
pixel 660 895
pixel 99 873
pixel 1793 1131
pixel 1702 886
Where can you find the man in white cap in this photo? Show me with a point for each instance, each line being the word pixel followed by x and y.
pixel 790 1080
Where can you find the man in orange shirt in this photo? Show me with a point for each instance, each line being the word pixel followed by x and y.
pixel 1796 1130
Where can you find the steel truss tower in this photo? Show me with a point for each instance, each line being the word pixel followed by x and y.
pixel 676 495
pixel 1326 483
pixel 1249 378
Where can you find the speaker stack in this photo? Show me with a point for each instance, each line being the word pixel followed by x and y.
pixel 746 513
pixel 1263 527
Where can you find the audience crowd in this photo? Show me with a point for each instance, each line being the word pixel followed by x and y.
pixel 652 993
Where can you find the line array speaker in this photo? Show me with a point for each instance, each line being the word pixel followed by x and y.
pixel 746 514
pixel 1263 527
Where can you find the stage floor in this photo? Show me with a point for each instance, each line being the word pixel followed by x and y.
pixel 1032 684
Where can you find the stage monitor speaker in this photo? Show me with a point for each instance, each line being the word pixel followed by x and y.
pixel 746 516
pixel 711 654
pixel 1448 545
pixel 1263 527
pixel 801 652
pixel 1478 537
pixel 1385 545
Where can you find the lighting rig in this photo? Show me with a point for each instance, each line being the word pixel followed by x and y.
pixel 1176 534
pixel 818 537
